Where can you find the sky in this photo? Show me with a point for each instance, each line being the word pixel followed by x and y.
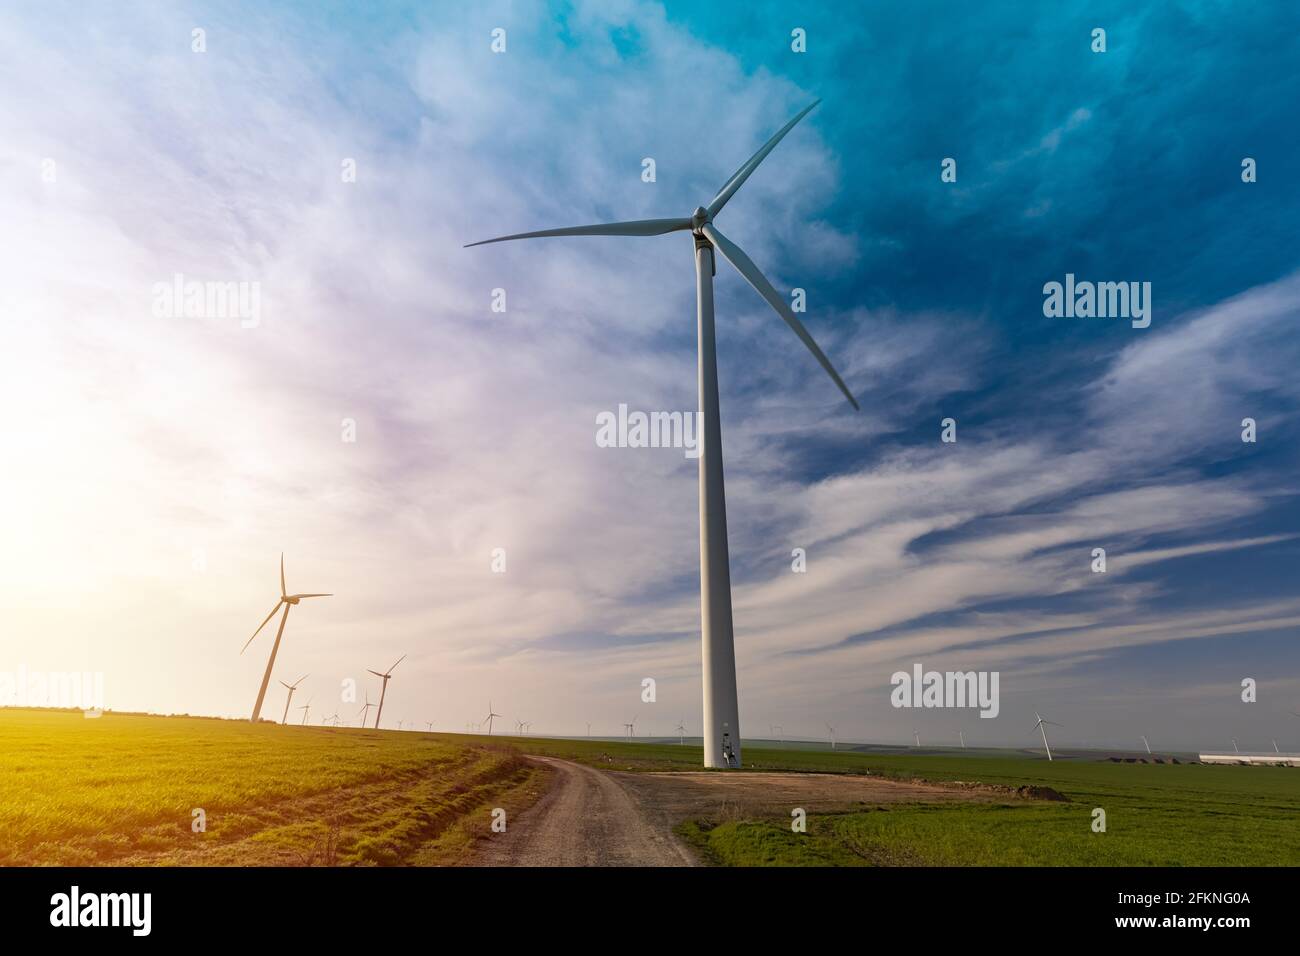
pixel 155 465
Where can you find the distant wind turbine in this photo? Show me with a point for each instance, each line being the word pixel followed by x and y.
pixel 681 734
pixel 630 727
pixel 1144 741
pixel 588 728
pixel 286 601
pixel 384 689
pixel 1275 750
pixel 492 715
pixel 721 708
pixel 429 723
pixel 1234 745
pixel 962 737
pixel 305 708
pixel 1041 726
pixel 333 718
pixel 916 734
pixel 292 687
pixel 365 711
pixel 832 731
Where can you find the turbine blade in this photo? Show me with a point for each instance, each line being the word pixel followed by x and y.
pixel 636 227
pixel 376 673
pixel 745 266
pixel 739 176
pixel 260 626
pixel 283 590
pixel 301 679
pixel 310 595
pixel 396 662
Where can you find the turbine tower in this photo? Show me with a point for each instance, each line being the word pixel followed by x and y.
pixel 721 729
pixel 1041 726
pixel 286 601
pixel 916 734
pixel 292 687
pixel 832 731
pixel 681 735
pixel 305 708
pixel 384 690
pixel 962 737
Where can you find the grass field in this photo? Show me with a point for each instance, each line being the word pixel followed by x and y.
pixel 1156 814
pixel 122 789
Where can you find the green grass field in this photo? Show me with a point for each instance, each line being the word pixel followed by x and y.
pixel 1156 814
pixel 123 788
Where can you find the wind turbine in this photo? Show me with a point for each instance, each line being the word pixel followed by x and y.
pixel 292 687
pixel 681 734
pixel 917 735
pixel 1041 726
pixel 1144 741
pixel 721 709
pixel 780 733
pixel 519 728
pixel 365 711
pixel 832 730
pixel 384 690
pixel 1234 745
pixel 630 727
pixel 305 708
pixel 489 718
pixel 429 723
pixel 962 737
pixel 1275 750
pixel 588 728
pixel 287 600
pixel 334 718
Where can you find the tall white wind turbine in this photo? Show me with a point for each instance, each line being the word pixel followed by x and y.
pixel 1041 726
pixel 916 735
pixel 681 735
pixel 832 733
pixel 385 676
pixel 306 709
pixel 721 729
pixel 286 601
pixel 1147 745
pixel 292 687
pixel 962 737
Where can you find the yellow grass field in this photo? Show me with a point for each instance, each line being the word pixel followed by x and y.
pixel 124 790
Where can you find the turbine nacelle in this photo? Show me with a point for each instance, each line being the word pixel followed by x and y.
pixel 699 218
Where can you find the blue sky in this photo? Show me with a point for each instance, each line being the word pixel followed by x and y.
pixel 476 428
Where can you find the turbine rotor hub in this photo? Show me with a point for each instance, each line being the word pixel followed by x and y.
pixel 699 218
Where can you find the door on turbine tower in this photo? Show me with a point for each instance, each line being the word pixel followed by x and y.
pixel 727 753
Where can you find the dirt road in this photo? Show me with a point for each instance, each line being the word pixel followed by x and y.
pixel 586 818
pixel 593 817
